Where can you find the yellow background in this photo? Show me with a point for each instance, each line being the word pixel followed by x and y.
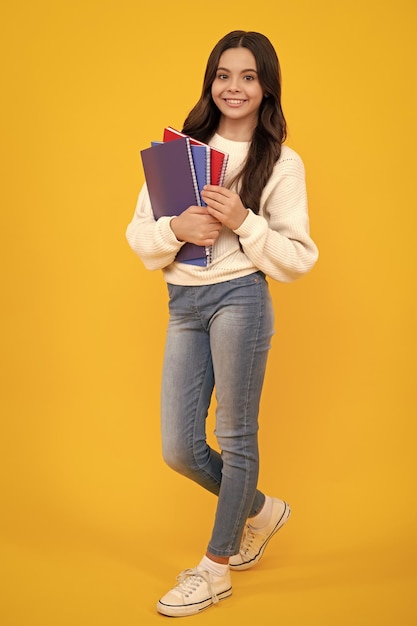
pixel 94 527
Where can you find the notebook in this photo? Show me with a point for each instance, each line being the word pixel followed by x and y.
pixel 218 158
pixel 201 160
pixel 172 184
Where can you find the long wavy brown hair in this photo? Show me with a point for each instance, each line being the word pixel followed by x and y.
pixel 271 130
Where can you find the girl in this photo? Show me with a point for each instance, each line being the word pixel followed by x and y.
pixel 221 318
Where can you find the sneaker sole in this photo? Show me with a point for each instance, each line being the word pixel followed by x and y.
pixel 191 609
pixel 248 564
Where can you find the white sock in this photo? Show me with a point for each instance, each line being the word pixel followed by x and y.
pixel 216 569
pixel 262 518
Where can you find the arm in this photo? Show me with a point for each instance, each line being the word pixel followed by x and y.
pixel 153 241
pixel 157 242
pixel 278 241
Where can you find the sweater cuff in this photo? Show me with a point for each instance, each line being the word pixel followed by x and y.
pixel 249 224
pixel 167 233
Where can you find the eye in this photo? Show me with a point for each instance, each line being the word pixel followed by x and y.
pixel 222 76
pixel 249 77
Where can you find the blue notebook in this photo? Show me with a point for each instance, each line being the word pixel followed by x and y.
pixel 201 159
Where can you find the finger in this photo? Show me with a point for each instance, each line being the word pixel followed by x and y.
pixel 219 194
pixel 201 210
pixel 212 188
pixel 218 215
pixel 217 205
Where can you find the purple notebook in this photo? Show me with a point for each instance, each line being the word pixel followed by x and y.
pixel 172 185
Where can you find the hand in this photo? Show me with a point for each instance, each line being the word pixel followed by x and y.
pixel 196 225
pixel 224 205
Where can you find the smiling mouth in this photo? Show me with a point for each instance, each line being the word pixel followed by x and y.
pixel 233 101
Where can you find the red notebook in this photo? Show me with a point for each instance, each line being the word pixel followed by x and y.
pixel 218 158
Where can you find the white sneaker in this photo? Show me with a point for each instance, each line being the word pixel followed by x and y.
pixel 196 590
pixel 255 541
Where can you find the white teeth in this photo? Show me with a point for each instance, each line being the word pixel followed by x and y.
pixel 235 101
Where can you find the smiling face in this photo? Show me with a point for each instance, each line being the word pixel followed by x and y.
pixel 236 90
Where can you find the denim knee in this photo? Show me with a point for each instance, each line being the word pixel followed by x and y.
pixel 178 459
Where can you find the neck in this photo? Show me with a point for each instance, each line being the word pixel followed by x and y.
pixel 235 130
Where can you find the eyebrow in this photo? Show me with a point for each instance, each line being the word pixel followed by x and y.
pixel 242 72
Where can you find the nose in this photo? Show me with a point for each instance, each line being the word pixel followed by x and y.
pixel 233 86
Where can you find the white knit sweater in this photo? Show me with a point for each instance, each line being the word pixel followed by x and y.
pixel 276 241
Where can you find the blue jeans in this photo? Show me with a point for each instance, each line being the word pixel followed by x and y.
pixel 218 336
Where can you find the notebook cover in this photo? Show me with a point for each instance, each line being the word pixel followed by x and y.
pixel 218 158
pixel 172 185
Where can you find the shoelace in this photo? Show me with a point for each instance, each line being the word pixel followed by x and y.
pixel 247 540
pixel 190 579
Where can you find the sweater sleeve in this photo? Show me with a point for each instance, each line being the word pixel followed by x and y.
pixel 278 241
pixel 152 240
